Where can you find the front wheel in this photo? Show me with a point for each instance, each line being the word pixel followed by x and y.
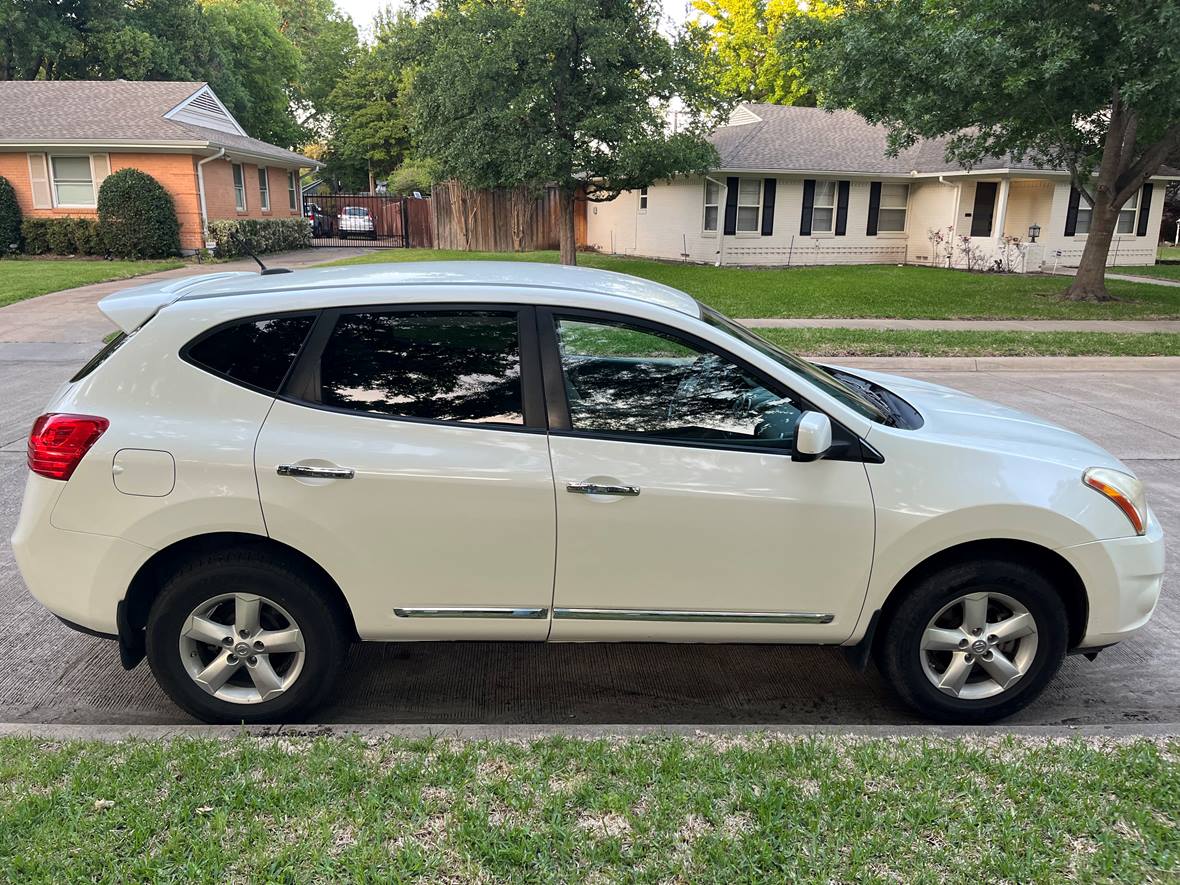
pixel 975 642
pixel 243 636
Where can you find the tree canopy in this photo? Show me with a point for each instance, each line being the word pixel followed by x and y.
pixel 558 92
pixel 1086 86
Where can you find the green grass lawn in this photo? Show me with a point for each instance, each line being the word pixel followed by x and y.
pixel 1168 253
pixel 1167 271
pixel 651 809
pixel 873 342
pixel 860 291
pixel 22 278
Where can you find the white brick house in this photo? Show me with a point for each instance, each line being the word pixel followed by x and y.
pixel 807 186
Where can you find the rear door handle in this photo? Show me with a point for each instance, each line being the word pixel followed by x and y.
pixel 315 472
pixel 593 488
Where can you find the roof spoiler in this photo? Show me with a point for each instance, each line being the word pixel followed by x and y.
pixel 131 308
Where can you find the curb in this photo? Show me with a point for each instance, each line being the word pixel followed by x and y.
pixel 1006 363
pixel 54 732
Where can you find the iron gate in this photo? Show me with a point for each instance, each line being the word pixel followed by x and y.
pixel 358 220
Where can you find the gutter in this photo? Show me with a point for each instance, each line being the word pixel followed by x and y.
pixel 201 193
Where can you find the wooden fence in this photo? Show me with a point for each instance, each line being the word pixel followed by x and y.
pixel 499 220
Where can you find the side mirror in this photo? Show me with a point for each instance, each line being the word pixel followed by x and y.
pixel 813 437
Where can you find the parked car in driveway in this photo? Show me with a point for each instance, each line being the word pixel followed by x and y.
pixel 355 220
pixel 320 221
pixel 259 470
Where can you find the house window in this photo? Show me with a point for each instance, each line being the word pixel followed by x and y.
pixel 712 204
pixel 263 189
pixel 1084 213
pixel 239 187
pixel 891 216
pixel 73 184
pixel 1127 215
pixel 293 191
pixel 643 199
pixel 823 211
pixel 749 204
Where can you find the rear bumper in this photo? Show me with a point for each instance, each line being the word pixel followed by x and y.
pixel 1123 579
pixel 80 577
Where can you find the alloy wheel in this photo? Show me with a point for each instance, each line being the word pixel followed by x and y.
pixel 242 648
pixel 979 645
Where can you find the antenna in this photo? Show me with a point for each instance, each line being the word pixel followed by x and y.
pixel 263 270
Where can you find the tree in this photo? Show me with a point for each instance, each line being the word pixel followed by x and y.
pixel 326 41
pixel 738 41
pixel 564 92
pixel 1084 85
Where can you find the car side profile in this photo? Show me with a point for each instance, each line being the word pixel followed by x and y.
pixel 260 470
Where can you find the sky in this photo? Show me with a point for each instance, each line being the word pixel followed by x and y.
pixel 363 11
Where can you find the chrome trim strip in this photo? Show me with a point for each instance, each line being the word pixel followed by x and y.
pixel 447 611
pixel 630 614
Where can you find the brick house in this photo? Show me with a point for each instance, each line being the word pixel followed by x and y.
pixel 60 139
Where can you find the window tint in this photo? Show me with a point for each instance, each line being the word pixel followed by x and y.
pixel 256 352
pixel 621 379
pixel 437 365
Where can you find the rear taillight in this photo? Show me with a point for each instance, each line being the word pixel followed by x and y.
pixel 58 443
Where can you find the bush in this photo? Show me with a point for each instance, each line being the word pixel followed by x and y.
pixel 62 236
pixel 137 216
pixel 410 177
pixel 10 218
pixel 262 235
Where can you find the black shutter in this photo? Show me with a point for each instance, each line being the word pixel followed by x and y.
pixel 842 207
pixel 731 189
pixel 1144 210
pixel 874 208
pixel 769 185
pixel 808 206
pixel 1071 214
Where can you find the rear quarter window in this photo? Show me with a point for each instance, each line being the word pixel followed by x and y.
pixel 256 353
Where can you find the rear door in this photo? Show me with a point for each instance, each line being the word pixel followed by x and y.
pixel 408 456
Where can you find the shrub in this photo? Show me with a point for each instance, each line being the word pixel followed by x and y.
pixel 138 216
pixel 62 236
pixel 10 218
pixel 261 234
pixel 410 177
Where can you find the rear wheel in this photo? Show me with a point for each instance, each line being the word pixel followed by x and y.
pixel 243 636
pixel 975 642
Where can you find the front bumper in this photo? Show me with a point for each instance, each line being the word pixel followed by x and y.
pixel 1123 579
pixel 80 577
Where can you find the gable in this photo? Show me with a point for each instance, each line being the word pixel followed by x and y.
pixel 203 108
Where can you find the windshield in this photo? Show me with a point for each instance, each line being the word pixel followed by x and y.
pixel 847 395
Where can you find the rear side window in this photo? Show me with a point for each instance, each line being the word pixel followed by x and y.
pixel 435 365
pixel 257 353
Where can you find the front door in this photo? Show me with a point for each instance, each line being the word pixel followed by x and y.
pixel 984 209
pixel 409 459
pixel 681 515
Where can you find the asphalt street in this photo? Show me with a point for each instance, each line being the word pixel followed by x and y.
pixel 50 674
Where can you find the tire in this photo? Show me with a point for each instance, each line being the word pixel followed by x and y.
pixel 219 587
pixel 920 643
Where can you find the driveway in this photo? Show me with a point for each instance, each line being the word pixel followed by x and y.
pixel 51 674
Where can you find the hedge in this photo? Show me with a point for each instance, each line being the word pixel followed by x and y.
pixel 138 216
pixel 262 235
pixel 10 218
pixel 62 236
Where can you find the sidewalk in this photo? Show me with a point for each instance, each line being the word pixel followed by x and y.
pixel 1132 326
pixel 70 316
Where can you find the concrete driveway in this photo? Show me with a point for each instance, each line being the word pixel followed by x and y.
pixel 51 674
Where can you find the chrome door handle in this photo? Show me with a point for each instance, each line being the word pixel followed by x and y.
pixel 593 488
pixel 315 472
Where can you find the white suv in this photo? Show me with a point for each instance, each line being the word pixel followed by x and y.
pixel 264 469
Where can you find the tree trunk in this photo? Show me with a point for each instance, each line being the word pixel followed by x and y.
pixel 1089 284
pixel 569 249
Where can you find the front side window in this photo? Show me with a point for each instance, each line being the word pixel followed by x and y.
pixel 1128 214
pixel 257 352
pixel 749 204
pixel 891 215
pixel 263 189
pixel 622 380
pixel 239 188
pixel 823 211
pixel 435 365
pixel 1085 210
pixel 712 204
pixel 73 184
pixel 292 192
